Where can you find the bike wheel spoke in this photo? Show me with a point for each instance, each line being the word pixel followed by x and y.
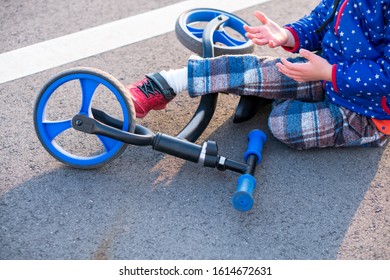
pixel 226 39
pixel 88 88
pixel 54 128
pixel 197 32
pixel 107 142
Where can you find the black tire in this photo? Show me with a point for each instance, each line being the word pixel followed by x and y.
pixel 49 88
pixel 195 44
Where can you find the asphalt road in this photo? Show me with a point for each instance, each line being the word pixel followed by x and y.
pixel 317 204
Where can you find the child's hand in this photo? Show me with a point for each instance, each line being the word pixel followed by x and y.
pixel 269 33
pixel 315 69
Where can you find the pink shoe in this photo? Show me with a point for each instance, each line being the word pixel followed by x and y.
pixel 152 93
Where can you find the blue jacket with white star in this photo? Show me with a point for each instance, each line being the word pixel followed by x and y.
pixel 357 43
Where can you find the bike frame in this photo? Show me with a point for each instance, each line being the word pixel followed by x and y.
pixel 182 145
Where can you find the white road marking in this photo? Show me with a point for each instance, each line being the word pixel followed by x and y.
pixel 56 52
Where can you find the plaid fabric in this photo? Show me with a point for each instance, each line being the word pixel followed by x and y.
pixel 248 75
pixel 302 117
pixel 305 125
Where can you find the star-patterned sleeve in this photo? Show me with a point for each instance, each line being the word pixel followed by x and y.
pixel 304 29
pixel 369 74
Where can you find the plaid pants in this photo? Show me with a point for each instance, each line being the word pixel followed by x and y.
pixel 302 116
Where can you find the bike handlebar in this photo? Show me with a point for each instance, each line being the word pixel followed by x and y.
pixel 242 199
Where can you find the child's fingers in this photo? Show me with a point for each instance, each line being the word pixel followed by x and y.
pixel 252 29
pixel 288 64
pixel 251 35
pixel 260 42
pixel 255 35
pixel 291 74
pixel 287 67
pixel 272 44
pixel 247 27
pixel 306 54
pixel 261 17
pixel 282 68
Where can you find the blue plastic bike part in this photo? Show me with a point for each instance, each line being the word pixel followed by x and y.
pixel 242 199
pixel 47 130
pixel 256 140
pixel 191 36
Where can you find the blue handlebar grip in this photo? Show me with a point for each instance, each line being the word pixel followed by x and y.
pixel 242 199
pixel 256 140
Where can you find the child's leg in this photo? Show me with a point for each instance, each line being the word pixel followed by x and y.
pixel 241 75
pixel 248 75
pixel 305 125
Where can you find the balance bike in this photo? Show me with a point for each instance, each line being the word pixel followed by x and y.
pixel 99 122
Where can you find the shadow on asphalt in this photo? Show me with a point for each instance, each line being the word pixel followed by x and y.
pixel 146 205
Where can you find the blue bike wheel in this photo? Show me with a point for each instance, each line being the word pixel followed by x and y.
pixel 228 39
pixel 87 87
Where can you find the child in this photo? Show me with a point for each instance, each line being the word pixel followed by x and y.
pixel 340 97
